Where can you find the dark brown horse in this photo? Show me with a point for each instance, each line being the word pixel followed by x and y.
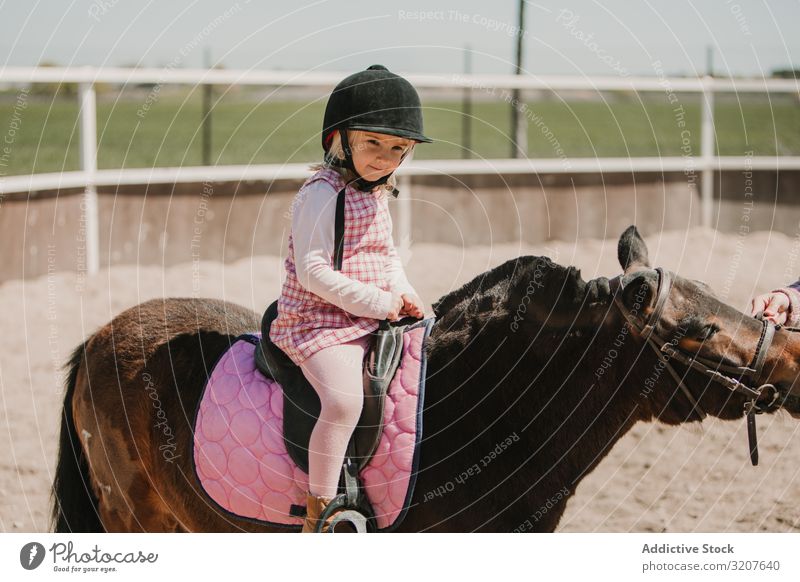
pixel 533 375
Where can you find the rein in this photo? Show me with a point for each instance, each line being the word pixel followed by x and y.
pixel 728 376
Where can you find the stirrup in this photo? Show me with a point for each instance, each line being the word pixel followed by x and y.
pixel 343 513
pixel 345 505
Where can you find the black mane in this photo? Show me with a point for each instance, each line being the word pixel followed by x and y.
pixel 556 292
pixel 479 286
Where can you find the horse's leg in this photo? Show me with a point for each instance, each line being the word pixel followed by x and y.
pixel 138 509
pixel 127 501
pixel 116 446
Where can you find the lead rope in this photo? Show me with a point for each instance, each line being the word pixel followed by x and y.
pixel 752 433
pixel 751 407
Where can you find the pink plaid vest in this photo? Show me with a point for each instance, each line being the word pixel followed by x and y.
pixel 307 323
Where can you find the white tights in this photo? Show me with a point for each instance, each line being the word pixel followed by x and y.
pixel 335 373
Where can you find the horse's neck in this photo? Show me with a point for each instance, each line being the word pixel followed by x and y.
pixel 492 385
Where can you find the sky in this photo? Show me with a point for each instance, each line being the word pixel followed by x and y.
pixel 614 37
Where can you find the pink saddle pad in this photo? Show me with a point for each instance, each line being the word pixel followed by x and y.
pixel 241 460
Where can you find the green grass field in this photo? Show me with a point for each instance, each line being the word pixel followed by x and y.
pixel 246 132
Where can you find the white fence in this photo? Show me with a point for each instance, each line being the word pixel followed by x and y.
pixel 89 177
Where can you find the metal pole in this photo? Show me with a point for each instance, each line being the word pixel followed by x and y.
pixel 466 118
pixel 206 119
pixel 88 103
pixel 519 123
pixel 707 152
pixel 404 205
pixel 710 61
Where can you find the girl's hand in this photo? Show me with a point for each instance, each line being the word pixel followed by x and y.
pixel 395 307
pixel 412 306
pixel 774 305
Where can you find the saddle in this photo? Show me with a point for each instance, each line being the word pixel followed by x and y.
pixel 301 406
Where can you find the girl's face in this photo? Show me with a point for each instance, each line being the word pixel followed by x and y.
pixel 377 154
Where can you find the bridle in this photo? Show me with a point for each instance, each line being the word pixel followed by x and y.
pixel 761 397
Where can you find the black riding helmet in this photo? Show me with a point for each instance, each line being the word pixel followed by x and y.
pixel 372 100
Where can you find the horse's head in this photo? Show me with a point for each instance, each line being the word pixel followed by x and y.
pixel 712 358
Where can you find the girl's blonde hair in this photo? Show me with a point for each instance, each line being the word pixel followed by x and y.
pixel 336 152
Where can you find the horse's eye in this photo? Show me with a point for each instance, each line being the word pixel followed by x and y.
pixel 707 332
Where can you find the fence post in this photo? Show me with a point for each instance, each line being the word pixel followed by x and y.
pixel 88 112
pixel 707 152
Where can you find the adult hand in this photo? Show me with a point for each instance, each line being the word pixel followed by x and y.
pixel 774 305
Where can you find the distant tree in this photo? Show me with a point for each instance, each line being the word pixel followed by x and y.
pixel 786 73
pixel 147 86
pixel 54 89
pixel 65 89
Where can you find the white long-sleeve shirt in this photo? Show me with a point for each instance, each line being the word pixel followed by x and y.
pixel 313 220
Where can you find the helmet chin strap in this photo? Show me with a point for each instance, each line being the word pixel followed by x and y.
pixel 360 183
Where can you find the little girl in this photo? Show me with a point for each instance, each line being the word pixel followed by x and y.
pixel 327 309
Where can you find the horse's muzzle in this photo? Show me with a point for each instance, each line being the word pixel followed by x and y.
pixel 790 400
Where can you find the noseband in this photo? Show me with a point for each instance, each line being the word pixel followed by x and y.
pixel 764 398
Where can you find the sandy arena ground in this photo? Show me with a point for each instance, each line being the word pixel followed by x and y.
pixel 655 479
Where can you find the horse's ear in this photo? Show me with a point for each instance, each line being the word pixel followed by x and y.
pixel 632 251
pixel 638 293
